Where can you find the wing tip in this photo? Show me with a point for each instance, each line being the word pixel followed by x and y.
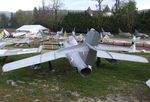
pixel 148 83
pixel 4 69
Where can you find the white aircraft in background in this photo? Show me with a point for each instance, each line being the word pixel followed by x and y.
pixel 81 56
pixel 10 52
pixel 141 35
pixel 118 48
pixel 106 34
pixel 58 35
pixel 19 34
pixel 105 38
pixel 79 37
pixel 17 41
pixel 5 33
pixel 7 39
pixel 60 32
pixel 124 34
pixel 133 47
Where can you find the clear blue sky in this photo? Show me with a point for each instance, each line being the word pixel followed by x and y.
pixel 14 5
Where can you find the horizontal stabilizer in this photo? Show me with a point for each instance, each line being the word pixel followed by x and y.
pixel 119 56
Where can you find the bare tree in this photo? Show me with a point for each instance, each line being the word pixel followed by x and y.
pixel 119 4
pixel 43 4
pixel 99 5
pixel 55 5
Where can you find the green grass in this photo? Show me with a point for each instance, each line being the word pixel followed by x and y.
pixel 126 78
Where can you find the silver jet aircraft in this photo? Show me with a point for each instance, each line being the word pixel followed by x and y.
pixel 81 56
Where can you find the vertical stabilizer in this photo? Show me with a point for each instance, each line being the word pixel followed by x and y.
pixel 120 31
pixel 102 30
pixel 74 32
pixel 92 37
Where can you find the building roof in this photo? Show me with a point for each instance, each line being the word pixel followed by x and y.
pixel 31 28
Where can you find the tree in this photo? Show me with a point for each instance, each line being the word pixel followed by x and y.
pixel 23 17
pixel 13 22
pixel 80 21
pixel 127 15
pixel 4 20
pixel 144 21
pixel 55 6
pixel 99 5
pixel 119 4
pixel 47 15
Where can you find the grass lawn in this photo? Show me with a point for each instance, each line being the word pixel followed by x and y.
pixel 121 82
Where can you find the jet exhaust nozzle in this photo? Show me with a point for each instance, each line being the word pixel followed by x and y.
pixel 86 71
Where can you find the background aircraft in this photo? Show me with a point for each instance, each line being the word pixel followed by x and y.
pixel 81 56
pixel 79 37
pixel 5 52
pixel 106 34
pixel 124 34
pixel 141 35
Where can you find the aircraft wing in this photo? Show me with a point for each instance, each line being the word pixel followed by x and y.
pixel 148 83
pixel 4 52
pixel 2 45
pixel 42 58
pixel 106 47
pixel 119 56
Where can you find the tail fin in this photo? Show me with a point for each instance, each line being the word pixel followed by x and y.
pixel 136 32
pixel 74 32
pixel 120 31
pixel 6 32
pixel 102 30
pixel 62 30
pixel 92 37
pixel 2 34
pixel 40 48
pixel 65 34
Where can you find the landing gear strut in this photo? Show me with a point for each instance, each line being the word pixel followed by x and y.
pixel 50 66
pixel 4 59
pixel 98 61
